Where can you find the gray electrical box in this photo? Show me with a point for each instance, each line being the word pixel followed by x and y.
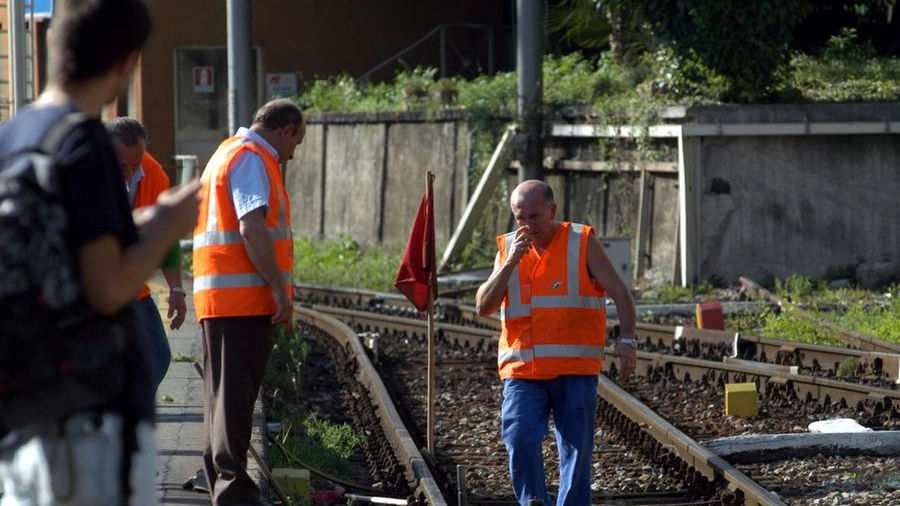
pixel 618 249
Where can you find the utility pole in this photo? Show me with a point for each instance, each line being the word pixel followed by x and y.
pixel 17 60
pixel 529 67
pixel 240 66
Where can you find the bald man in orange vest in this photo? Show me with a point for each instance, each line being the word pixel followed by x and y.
pixel 550 282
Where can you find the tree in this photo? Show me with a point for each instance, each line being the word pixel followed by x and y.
pixel 737 44
pixel 742 41
pixel 598 24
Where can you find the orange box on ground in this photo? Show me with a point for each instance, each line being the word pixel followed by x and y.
pixel 710 315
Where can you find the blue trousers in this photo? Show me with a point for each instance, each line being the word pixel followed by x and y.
pixel 160 354
pixel 525 415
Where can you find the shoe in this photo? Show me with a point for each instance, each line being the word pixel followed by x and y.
pixel 197 483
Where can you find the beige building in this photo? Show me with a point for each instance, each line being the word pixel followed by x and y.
pixel 180 90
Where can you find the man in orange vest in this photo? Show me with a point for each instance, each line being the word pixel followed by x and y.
pixel 144 181
pixel 243 263
pixel 550 282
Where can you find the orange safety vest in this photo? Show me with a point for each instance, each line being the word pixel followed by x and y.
pixel 553 313
pixel 154 182
pixel 225 281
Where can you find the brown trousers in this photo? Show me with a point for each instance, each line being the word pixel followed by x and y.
pixel 235 352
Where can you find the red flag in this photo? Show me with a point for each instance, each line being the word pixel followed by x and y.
pixel 419 267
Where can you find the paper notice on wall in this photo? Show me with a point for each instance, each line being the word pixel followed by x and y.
pixel 281 85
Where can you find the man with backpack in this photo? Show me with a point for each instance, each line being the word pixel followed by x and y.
pixel 101 454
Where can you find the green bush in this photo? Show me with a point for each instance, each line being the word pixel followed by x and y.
pixel 871 313
pixel 846 71
pixel 794 288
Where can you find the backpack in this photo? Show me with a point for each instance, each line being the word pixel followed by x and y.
pixel 57 357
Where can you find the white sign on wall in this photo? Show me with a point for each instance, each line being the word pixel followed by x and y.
pixel 204 80
pixel 281 85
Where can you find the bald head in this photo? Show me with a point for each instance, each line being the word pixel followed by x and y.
pixel 533 208
pixel 532 190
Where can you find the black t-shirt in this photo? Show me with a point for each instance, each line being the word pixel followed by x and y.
pixel 93 194
pixel 90 179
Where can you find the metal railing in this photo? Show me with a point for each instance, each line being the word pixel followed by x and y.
pixel 441 32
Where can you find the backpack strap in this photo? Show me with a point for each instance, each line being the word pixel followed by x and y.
pixel 60 130
pixel 49 146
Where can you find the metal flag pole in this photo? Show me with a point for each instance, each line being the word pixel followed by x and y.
pixel 429 176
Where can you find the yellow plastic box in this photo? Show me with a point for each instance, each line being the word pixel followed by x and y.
pixel 740 399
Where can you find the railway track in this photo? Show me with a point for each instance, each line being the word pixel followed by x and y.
pixel 469 345
pixel 686 472
pixel 871 362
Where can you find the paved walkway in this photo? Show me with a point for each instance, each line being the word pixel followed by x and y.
pixel 179 432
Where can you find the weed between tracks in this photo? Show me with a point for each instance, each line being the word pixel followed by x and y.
pixel 345 262
pixel 871 312
pixel 307 431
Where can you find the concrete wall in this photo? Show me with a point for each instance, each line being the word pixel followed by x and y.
pixel 756 205
pixel 798 204
pixel 775 190
pixel 363 177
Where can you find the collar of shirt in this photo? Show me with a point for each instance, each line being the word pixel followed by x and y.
pixel 246 132
pixel 132 184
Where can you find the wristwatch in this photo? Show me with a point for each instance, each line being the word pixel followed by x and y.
pixel 177 289
pixel 629 341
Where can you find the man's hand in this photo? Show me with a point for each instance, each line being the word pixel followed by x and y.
pixel 284 308
pixel 520 245
pixel 627 357
pixel 177 309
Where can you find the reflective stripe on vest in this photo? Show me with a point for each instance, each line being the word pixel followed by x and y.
pixel 226 282
pixel 550 351
pixel 233 281
pixel 546 334
pixel 219 237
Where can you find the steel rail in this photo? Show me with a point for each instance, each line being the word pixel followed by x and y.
pixel 374 321
pixel 803 385
pixel 718 344
pixel 767 376
pixel 404 447
pixel 704 461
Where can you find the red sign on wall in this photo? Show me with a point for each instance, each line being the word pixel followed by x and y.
pixel 204 79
